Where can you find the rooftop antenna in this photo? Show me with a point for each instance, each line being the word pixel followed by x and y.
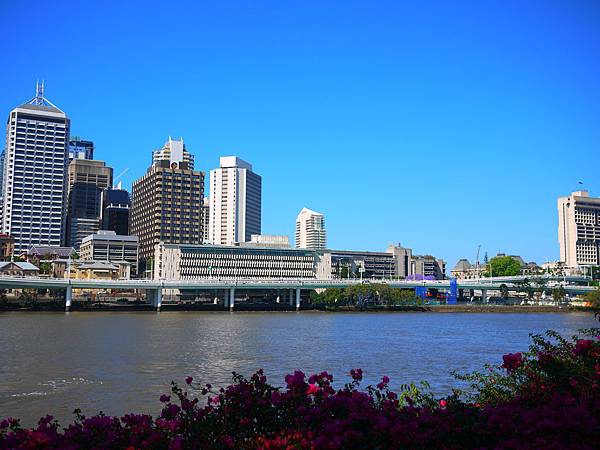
pixel 39 99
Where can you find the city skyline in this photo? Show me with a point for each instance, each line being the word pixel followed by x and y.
pixel 491 177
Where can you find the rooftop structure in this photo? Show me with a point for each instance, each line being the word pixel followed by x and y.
pixel 175 153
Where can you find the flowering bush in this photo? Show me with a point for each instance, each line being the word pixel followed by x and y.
pixel 548 397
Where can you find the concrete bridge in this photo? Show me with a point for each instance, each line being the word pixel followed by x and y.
pixel 154 288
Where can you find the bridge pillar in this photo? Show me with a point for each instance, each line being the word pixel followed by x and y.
pixel 461 294
pixel 291 297
pixel 158 298
pixel 231 299
pixel 484 295
pixel 68 297
pixel 297 299
pixel 154 297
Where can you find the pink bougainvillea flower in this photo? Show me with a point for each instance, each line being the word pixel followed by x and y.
pixel 512 361
pixel 312 389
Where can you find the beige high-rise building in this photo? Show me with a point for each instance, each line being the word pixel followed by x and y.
pixel 579 229
pixel 167 205
pixel 310 230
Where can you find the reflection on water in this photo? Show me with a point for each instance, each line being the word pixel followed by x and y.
pixel 122 362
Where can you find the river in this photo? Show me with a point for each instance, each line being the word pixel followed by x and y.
pixel 121 362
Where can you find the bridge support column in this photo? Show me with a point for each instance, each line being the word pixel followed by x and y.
pixel 231 299
pixel 68 297
pixel 154 297
pixel 158 298
pixel 291 297
pixel 226 299
pixel 461 294
pixel 297 299
pixel 484 295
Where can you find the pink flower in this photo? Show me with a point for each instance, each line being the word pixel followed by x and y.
pixel 384 382
pixel 356 374
pixel 189 380
pixel 512 361
pixel 443 403
pixel 312 389
pixel 214 400
pixel 583 346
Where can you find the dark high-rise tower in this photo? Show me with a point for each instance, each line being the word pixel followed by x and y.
pixel 116 205
pixel 86 180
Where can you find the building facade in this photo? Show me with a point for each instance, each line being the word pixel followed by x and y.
pixel 188 262
pixel 395 263
pixel 235 202
pixel 37 135
pixel 109 246
pixel 428 266
pixel 115 210
pixel 86 181
pixel 267 240
pixel 579 229
pixel 7 246
pixel 79 269
pixel 310 230
pixel 206 220
pixel 167 206
pixel 80 149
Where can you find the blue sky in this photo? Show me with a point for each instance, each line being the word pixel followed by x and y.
pixel 440 125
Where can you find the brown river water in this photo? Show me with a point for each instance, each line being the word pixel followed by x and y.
pixel 119 362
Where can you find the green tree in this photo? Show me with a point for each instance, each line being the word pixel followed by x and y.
pixel 558 294
pixel 45 267
pixel 503 266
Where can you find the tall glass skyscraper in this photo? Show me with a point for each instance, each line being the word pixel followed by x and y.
pixel 37 135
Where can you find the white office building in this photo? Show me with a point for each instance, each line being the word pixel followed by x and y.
pixel 35 167
pixel 310 230
pixel 191 262
pixel 579 229
pixel 235 202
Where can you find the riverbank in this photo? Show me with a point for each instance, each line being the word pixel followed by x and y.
pixel 132 307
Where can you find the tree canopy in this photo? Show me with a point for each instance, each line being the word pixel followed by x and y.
pixel 503 266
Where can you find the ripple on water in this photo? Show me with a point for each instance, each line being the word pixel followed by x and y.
pixel 52 386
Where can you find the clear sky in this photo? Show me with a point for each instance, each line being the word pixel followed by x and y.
pixel 440 125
